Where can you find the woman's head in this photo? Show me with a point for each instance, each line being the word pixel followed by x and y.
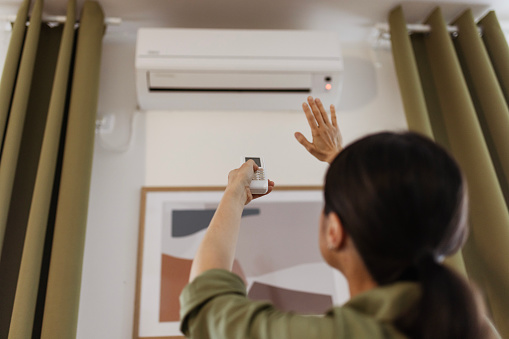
pixel 401 198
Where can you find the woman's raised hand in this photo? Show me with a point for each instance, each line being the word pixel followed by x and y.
pixel 239 180
pixel 327 140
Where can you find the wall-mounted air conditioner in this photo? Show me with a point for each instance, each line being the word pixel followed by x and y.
pixel 215 69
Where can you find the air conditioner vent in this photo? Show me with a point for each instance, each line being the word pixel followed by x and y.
pixel 236 69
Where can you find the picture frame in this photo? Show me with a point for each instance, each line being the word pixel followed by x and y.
pixel 277 255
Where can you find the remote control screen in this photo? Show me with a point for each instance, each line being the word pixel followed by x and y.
pixel 256 160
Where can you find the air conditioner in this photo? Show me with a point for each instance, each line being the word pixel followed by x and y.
pixel 220 69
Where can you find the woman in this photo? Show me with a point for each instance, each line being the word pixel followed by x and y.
pixel 395 205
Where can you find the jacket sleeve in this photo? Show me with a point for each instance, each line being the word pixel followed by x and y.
pixel 215 305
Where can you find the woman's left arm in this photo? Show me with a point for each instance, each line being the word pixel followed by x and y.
pixel 217 249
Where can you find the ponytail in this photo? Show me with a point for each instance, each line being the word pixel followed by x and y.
pixel 449 307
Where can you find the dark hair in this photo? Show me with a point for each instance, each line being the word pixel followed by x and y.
pixel 402 199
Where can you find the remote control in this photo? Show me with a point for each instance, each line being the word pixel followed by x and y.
pixel 260 183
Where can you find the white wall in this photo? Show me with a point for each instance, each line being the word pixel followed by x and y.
pixel 196 149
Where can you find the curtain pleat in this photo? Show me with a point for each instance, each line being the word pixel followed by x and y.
pixel 487 248
pixel 33 132
pixel 62 297
pixel 15 124
pixel 26 296
pixel 487 95
pixel 422 112
pixel 452 106
pixel 408 76
pixel 432 98
pixel 48 101
pixel 10 70
pixel 13 191
pixel 498 49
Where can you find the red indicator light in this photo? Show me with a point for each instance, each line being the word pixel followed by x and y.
pixel 328 87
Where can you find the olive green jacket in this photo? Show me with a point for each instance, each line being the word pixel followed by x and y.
pixel 215 305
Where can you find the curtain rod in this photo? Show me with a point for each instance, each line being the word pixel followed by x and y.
pixel 61 19
pixel 384 28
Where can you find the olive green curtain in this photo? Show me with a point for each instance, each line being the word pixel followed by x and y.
pixel 454 89
pixel 48 102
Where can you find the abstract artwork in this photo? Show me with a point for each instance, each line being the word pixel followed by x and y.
pixel 277 254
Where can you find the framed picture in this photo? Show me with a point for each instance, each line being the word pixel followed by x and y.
pixel 277 255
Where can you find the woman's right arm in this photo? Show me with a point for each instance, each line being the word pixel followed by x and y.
pixel 327 140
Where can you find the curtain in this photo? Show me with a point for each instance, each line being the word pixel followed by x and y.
pixel 454 88
pixel 48 102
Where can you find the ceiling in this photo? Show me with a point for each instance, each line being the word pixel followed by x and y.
pixel 352 19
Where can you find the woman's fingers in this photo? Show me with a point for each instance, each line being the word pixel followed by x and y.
pixel 316 112
pixel 303 141
pixel 333 116
pixel 323 112
pixel 243 174
pixel 253 164
pixel 309 116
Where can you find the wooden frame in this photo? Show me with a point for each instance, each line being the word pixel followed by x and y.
pixel 155 203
